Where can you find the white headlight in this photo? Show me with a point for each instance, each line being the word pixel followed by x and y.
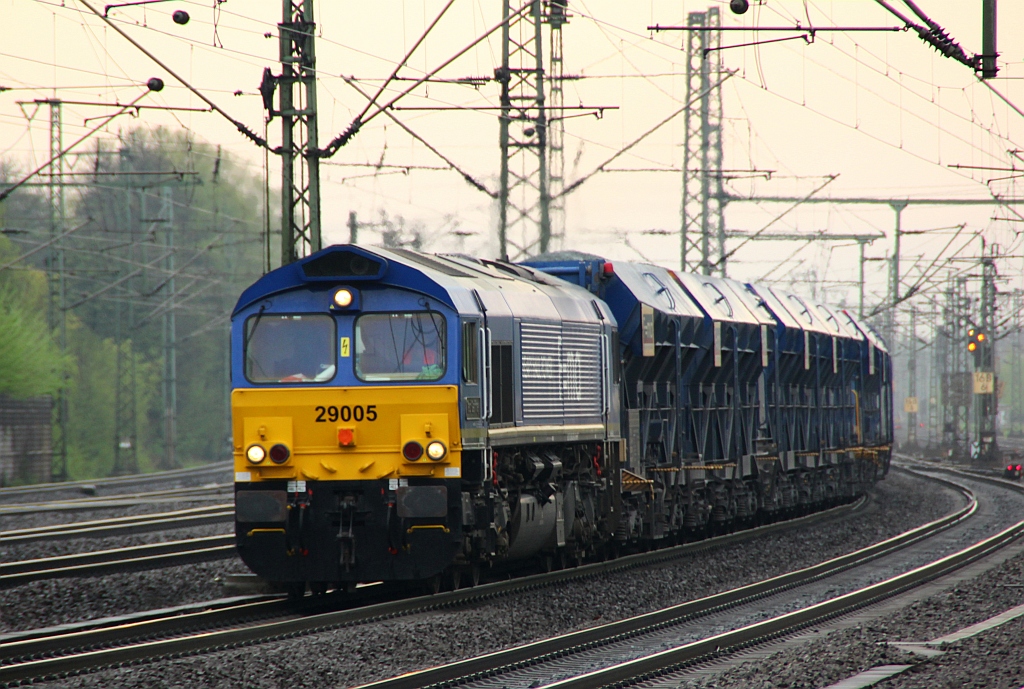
pixel 436 450
pixel 343 298
pixel 256 454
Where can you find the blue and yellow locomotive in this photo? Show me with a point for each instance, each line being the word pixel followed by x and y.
pixel 404 416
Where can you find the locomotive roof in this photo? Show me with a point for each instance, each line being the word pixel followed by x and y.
pixel 461 282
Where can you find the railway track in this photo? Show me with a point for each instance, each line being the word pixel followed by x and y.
pixel 114 483
pixel 151 556
pixel 73 649
pixel 209 492
pixel 651 648
pixel 122 526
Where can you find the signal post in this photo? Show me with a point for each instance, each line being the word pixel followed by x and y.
pixel 981 345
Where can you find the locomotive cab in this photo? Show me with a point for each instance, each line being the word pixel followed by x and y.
pixel 399 417
pixel 346 425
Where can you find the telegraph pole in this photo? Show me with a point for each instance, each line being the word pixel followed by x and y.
pixel 985 378
pixel 300 152
pixel 894 270
pixel 938 366
pixel 524 197
pixel 1016 386
pixel 989 68
pixel 353 228
pixel 170 383
pixel 702 232
pixel 557 17
pixel 57 289
pixel 911 404
pixel 125 404
pixel 956 384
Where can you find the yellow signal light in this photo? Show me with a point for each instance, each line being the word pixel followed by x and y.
pixel 981 337
pixel 971 346
pixel 970 333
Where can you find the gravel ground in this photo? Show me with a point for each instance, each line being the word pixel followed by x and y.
pixel 991 659
pixel 59 601
pixel 360 654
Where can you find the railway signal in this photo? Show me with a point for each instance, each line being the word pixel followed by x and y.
pixel 979 345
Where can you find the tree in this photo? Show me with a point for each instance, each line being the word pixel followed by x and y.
pixel 198 229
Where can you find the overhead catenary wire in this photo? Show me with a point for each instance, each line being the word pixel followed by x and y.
pixel 747 240
pixel 46 244
pixel 106 119
pixel 394 73
pixel 358 123
pixel 600 168
pixel 465 175
pixel 442 146
pixel 245 131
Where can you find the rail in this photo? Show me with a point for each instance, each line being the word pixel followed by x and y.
pixel 120 526
pixel 125 643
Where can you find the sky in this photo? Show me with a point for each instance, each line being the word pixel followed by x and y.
pixel 865 114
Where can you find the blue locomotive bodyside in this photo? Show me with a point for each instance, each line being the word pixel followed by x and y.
pixel 404 416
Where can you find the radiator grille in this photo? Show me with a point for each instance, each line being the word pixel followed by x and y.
pixel 561 367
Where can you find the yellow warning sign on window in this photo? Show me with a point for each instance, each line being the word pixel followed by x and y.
pixel 910 405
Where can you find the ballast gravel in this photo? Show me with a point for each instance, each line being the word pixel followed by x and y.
pixel 58 601
pixel 356 655
pixel 991 659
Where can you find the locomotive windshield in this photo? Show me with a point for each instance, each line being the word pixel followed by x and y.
pixel 289 348
pixel 400 346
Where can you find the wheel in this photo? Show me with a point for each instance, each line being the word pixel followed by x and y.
pixel 474 574
pixel 318 588
pixel 547 563
pixel 455 579
pixel 432 585
pixel 296 590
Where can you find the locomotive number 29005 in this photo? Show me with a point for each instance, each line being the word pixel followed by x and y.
pixel 346 413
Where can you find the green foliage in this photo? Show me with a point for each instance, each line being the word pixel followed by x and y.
pixel 118 291
pixel 215 223
pixel 30 363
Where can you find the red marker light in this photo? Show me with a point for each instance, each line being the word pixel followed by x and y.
pixel 1018 467
pixel 608 269
pixel 346 437
pixel 1009 467
pixel 412 451
pixel 279 454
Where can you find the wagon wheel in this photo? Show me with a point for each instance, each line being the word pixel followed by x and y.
pixel 454 579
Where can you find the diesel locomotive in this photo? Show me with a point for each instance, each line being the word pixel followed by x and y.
pixel 399 416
